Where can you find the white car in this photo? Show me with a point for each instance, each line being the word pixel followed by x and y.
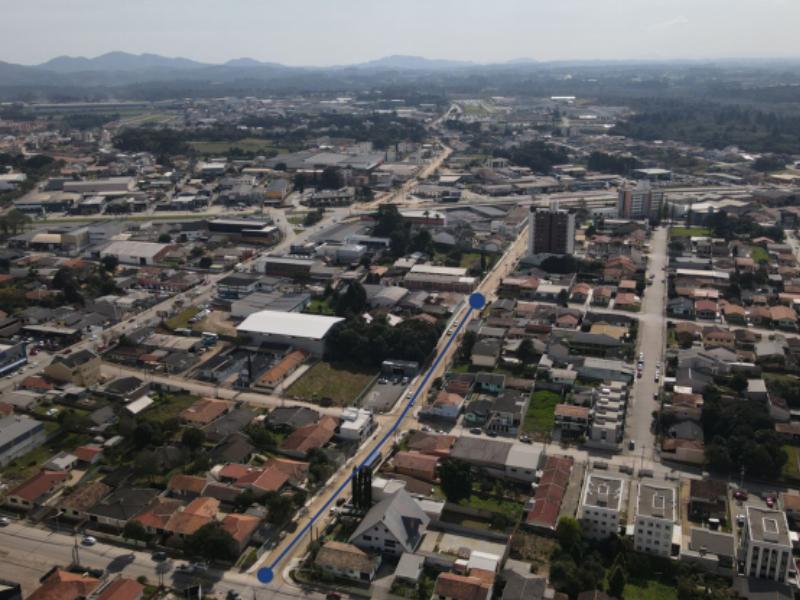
pixel 4 521
pixel 89 540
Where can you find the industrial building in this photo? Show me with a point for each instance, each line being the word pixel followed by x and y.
pixel 135 253
pixel 19 435
pixel 298 330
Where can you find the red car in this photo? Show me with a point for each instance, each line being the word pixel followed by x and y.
pixel 740 495
pixel 770 501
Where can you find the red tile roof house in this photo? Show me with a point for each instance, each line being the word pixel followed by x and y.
pixel 36 490
pixel 416 464
pixel 63 585
pixel 241 528
pixel 760 315
pixel 431 443
pixel 205 410
pixel 197 513
pixel 783 317
pixel 451 586
pixel 580 292
pixel 88 454
pixel 263 481
pixel 705 309
pixel 316 435
pixel 186 486
pixel 627 301
pixel 545 505
pixel 158 514
pixel 121 589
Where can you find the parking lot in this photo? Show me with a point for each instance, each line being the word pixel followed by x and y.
pixel 382 396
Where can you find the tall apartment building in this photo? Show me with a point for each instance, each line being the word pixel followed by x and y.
pixel 639 202
pixel 766 545
pixel 656 513
pixel 601 506
pixel 551 231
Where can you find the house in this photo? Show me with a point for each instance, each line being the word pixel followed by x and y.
pixel 393 526
pixel 234 448
pixel 783 317
pixel 289 418
pixel 189 519
pixel 705 309
pixel 33 492
pixel 734 313
pixel 521 584
pixel 316 435
pixel 241 528
pixel 486 352
pixel 347 561
pixel 714 551
pixel 431 443
pixel 543 510
pixel 122 505
pixel 451 586
pixel 602 295
pixel 490 383
pixel 627 301
pixel 63 585
pixel 88 454
pixel 485 455
pixel 204 411
pixel 570 417
pixel 186 486
pixel 580 292
pixel 121 589
pixel 155 517
pixel 80 368
pixel 507 413
pixel 446 406
pixel 415 464
pixel 707 500
pixel 680 307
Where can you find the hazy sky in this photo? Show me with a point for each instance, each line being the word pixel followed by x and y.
pixel 325 32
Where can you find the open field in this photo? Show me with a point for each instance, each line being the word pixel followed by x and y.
pixel 540 417
pixel 650 590
pixel 341 383
pixel 689 231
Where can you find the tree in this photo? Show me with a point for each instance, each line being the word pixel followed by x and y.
pixel 280 508
pixel 244 500
pixel 261 437
pixel 134 530
pixel 467 344
pixel 563 298
pixel 388 219
pixel 422 242
pixel 353 301
pixel 205 262
pixel 164 238
pixel 300 182
pixel 526 352
pixel 617 581
pixel 146 464
pixel 456 479
pixel 211 542
pixel 64 280
pixel 146 433
pixel 569 534
pixel 109 263
pixel 193 438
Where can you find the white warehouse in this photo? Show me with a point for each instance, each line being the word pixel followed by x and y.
pixel 299 330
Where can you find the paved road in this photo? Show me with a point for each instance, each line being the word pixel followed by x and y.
pixel 652 338
pixel 27 552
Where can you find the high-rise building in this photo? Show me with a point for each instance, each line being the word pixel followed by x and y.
pixel 640 201
pixel 551 231
pixel 656 514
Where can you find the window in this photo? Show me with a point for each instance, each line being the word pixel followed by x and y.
pixel 367 537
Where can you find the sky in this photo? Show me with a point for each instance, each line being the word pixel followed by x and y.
pixel 333 32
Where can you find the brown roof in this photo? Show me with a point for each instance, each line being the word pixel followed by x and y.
pixel 448 399
pixel 241 527
pixel 86 496
pixel 6 409
pixel 791 501
pixel 197 513
pixel 294 469
pixel 186 483
pixel 39 485
pixel 63 585
pixel 416 461
pixel 311 436
pixel 709 490
pixel 87 453
pixel 234 471
pixel 34 382
pixel 706 305
pixel 159 512
pixel 782 313
pixel 269 479
pixel 431 443
pixel 205 410
pixel 122 589
pixel 570 410
pixel 339 555
pixel 461 587
pixel 285 366
pixel 626 298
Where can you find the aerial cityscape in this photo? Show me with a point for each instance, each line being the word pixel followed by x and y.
pixel 464 326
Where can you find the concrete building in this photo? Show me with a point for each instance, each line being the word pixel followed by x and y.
pixel 357 424
pixel 656 515
pixel 135 253
pixel 766 545
pixel 19 435
pixel 601 506
pixel 298 330
pixel 12 356
pixel 119 185
pixel 551 231
pixel 639 202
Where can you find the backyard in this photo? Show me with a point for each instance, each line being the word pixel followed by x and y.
pixel 340 382
pixel 540 416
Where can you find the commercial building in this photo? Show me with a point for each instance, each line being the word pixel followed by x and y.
pixel 357 424
pixel 119 185
pixel 298 330
pixel 12 356
pixel 766 545
pixel 551 231
pixel 19 435
pixel 656 514
pixel 601 506
pixel 135 253
pixel 639 202
pixel 439 279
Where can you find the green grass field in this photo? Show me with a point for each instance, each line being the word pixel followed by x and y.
pixel 650 590
pixel 319 306
pixel 759 254
pixel 689 231
pixel 791 470
pixel 540 417
pixel 341 383
pixel 245 144
pixel 181 320
pixel 168 408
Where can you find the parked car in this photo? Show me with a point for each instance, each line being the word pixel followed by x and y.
pixel 159 556
pixel 525 439
pixel 740 494
pixel 4 521
pixel 476 430
pixel 631 444
pixel 89 540
pixel 770 500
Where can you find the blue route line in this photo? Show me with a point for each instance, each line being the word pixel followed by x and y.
pixel 476 301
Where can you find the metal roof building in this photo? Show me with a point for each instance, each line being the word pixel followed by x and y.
pixel 299 330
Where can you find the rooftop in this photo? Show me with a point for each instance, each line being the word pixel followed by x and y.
pixel 288 324
pixel 656 501
pixel 766 525
pixel 603 492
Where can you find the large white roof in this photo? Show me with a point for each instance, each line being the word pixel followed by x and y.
pixel 290 324
pixel 133 248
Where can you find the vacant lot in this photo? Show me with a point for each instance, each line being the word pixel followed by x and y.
pixel 650 590
pixel 181 320
pixel 540 418
pixel 689 231
pixel 791 470
pixel 533 548
pixel 169 407
pixel 759 254
pixel 340 382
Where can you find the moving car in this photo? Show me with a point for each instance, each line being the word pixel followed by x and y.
pixel 89 540
pixel 740 494
pixel 4 521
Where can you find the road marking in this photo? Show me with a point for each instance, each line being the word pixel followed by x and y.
pixel 266 574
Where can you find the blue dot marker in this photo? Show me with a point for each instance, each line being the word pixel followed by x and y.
pixel 477 300
pixel 265 574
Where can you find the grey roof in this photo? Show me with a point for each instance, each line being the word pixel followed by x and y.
pixel 76 358
pixel 767 525
pixel 16 426
pixel 292 416
pixel 410 566
pixel 523 587
pixel 234 421
pixel 491 452
pixel 686 430
pixel 713 542
pixel 236 448
pixel 124 503
pixel 761 589
pixel 401 515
